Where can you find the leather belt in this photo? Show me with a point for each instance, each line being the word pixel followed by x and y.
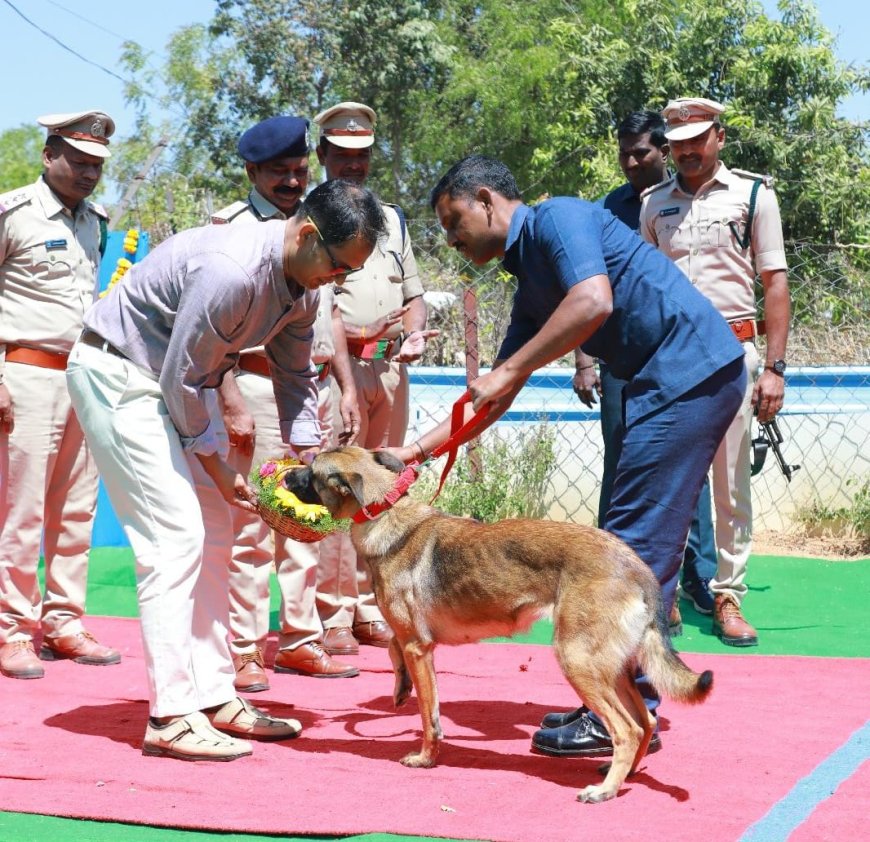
pixel 744 329
pixel 379 349
pixel 33 356
pixel 258 364
pixel 88 337
pixel 255 364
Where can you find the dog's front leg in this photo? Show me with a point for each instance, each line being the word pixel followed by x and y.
pixel 403 686
pixel 418 657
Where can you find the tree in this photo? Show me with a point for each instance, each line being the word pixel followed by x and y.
pixel 20 156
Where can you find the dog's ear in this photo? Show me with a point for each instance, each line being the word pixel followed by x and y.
pixel 347 485
pixel 383 457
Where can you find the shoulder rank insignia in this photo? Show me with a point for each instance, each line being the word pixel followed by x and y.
pixel 99 210
pixel 668 182
pixel 766 180
pixel 13 199
pixel 229 213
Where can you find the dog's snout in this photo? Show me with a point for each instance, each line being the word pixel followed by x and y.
pixel 299 481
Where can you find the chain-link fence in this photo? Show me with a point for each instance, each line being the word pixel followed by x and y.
pixel 825 421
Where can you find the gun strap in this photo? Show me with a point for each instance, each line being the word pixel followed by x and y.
pixel 746 239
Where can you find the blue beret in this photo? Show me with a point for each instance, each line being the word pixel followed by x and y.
pixel 277 137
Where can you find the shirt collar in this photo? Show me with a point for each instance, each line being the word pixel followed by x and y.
pixel 722 175
pixel 516 226
pixel 264 207
pixel 51 204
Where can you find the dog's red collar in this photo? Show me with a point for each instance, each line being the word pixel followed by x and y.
pixel 403 482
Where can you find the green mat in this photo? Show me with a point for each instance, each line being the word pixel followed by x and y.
pixel 800 606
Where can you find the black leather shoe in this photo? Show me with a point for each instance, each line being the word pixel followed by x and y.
pixel 557 720
pixel 584 737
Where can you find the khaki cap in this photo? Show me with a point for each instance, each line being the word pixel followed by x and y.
pixel 348 124
pixel 688 117
pixel 87 131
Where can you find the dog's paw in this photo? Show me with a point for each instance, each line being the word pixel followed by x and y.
pixel 400 698
pixel 418 760
pixel 595 794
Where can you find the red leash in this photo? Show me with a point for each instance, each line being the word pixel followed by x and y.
pixel 459 434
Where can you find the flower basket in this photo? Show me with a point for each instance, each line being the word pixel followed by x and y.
pixel 284 511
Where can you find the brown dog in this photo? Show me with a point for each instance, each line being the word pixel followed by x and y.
pixel 443 579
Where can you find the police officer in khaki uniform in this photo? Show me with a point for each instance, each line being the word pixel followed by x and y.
pixel 385 320
pixel 722 228
pixel 275 152
pixel 50 246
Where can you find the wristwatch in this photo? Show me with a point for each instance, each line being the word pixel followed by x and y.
pixel 778 367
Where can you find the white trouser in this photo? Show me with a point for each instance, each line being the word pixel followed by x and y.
pixel 48 492
pixel 255 543
pixel 732 498
pixel 177 523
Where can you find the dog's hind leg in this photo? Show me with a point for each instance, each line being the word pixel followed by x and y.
pixel 625 732
pixel 420 663
pixel 403 686
pixel 634 703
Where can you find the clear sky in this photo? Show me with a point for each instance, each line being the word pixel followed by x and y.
pixel 42 77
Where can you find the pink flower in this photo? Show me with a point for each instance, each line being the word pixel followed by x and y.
pixel 267 469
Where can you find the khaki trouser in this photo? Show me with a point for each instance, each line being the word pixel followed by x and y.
pixel 48 493
pixel 732 498
pixel 344 588
pixel 255 545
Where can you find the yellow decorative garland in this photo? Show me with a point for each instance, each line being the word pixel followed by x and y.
pixel 131 245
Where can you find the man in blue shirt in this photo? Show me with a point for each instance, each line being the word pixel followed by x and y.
pixel 643 158
pixel 585 279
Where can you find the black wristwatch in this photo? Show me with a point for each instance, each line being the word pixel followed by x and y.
pixel 778 367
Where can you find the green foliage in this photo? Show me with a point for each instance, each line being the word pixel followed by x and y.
pixel 20 157
pixel 541 85
pixel 511 480
pixel 854 519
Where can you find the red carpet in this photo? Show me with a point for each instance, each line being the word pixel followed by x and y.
pixel 70 746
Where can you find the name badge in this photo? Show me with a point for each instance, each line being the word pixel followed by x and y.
pixel 55 245
pixel 668 211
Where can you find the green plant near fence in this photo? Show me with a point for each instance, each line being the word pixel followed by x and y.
pixel 818 518
pixel 506 476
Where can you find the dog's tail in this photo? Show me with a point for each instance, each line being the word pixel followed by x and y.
pixel 666 670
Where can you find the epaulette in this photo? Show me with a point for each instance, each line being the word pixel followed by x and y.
pixel 14 198
pixel 228 214
pixel 668 182
pixel 99 210
pixel 766 180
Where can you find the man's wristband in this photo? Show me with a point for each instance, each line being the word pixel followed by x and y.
pixel 584 367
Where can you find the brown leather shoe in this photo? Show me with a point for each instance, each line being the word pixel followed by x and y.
pixel 18 660
pixel 82 648
pixel 729 625
pixel 675 622
pixel 340 641
pixel 250 673
pixel 374 633
pixel 312 659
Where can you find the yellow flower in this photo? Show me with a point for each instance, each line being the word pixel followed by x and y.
pixel 301 511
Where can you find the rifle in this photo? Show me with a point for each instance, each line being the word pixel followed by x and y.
pixel 770 437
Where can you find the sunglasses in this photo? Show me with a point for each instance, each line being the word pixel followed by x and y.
pixel 337 265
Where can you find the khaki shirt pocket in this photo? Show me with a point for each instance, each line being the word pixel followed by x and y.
pixel 722 228
pixel 50 264
pixel 673 238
